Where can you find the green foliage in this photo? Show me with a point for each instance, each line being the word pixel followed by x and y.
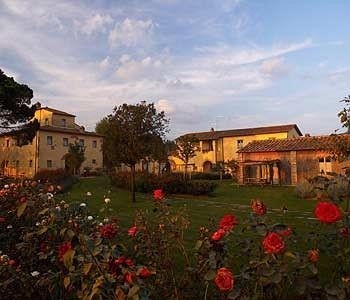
pixel 186 147
pixel 171 183
pixel 15 110
pixel 57 250
pixel 209 176
pixel 54 176
pixel 58 177
pixel 132 133
pixel 305 190
pixel 344 114
pixel 75 157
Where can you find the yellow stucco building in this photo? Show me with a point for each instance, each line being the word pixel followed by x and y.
pixel 222 146
pixel 50 145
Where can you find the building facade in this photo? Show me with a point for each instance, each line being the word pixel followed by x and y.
pixel 293 161
pixel 50 146
pixel 221 146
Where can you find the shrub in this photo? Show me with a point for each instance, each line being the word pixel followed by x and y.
pixel 338 188
pixel 210 176
pixel 58 177
pixel 200 187
pixel 305 190
pixel 51 249
pixel 52 176
pixel 171 183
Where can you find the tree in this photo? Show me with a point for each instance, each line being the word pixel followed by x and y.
pixel 130 135
pixel 186 147
pixel 75 157
pixel 16 114
pixel 344 114
pixel 162 151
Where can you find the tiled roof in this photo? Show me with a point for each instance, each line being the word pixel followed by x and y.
pixel 56 111
pixel 210 135
pixel 302 143
pixel 68 130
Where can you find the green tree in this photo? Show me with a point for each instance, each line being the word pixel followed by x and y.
pixel 344 114
pixel 75 157
pixel 186 147
pixel 16 113
pixel 130 134
pixel 162 150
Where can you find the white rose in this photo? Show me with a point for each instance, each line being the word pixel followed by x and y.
pixel 107 200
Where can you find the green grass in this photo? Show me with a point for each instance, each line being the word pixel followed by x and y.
pixel 227 198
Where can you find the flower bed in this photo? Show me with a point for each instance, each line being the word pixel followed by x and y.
pixel 55 250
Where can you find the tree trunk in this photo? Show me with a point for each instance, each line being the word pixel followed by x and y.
pixel 132 183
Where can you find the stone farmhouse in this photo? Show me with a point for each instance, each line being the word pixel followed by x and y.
pixel 221 146
pixel 291 161
pixel 50 145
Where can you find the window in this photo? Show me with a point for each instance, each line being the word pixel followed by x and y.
pixel 207 146
pixel 7 143
pixel 17 163
pixel 31 163
pixel 49 140
pixel 325 165
pixel 94 144
pixel 81 142
pixel 49 163
pixel 65 142
pixel 64 123
pixel 46 121
pixel 239 144
pixel 94 161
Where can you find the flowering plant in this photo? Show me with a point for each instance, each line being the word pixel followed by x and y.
pixel 51 249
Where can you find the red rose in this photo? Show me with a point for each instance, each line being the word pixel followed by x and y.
pixel 313 255
pixel 129 262
pixel 227 222
pixel 132 231
pixel 273 243
pixel 158 195
pixel 327 212
pixel 128 277
pixel 144 272
pixel 224 280
pixel 258 207
pixel 108 231
pixel 285 233
pixel 218 235
pixel 12 262
pixel 62 249
pixel 23 199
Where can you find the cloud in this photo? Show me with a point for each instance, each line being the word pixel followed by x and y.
pixel 96 23
pixel 148 67
pixel 130 32
pixel 273 67
pixel 105 62
pixel 166 106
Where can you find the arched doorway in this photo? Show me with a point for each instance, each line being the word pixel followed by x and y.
pixel 207 166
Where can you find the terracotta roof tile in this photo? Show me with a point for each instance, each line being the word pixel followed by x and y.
pixel 56 111
pixel 68 130
pixel 210 135
pixel 302 143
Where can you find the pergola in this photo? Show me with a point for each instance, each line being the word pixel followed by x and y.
pixel 260 172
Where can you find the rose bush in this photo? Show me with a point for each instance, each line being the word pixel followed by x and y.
pixel 50 249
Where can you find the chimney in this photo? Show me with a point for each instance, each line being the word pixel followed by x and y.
pixel 307 135
pixel 212 129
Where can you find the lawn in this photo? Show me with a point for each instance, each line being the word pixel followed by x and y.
pixel 201 209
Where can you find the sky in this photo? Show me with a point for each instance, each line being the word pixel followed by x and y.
pixel 208 64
